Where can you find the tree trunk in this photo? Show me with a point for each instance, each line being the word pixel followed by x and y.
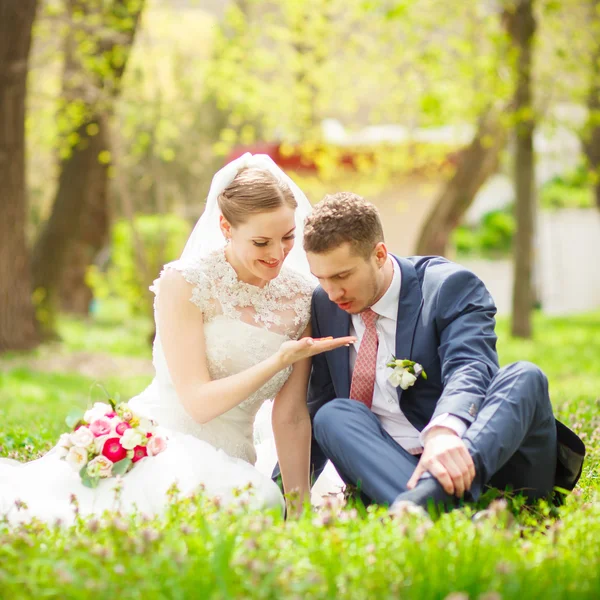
pixel 79 224
pixel 592 134
pixel 92 234
pixel 18 327
pixel 75 295
pixel 55 246
pixel 476 164
pixel 521 26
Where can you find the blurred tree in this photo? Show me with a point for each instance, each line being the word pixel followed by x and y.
pixel 520 22
pixel 97 47
pixel 474 165
pixel 18 328
pixel 280 68
pixel 416 67
pixel 591 134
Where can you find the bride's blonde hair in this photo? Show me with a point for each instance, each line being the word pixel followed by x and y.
pixel 253 191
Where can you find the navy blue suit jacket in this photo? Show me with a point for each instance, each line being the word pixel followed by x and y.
pixel 446 321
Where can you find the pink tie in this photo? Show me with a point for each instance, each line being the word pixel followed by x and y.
pixel 363 377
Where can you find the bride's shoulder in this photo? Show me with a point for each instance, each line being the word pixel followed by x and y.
pixel 178 272
pixel 188 280
pixel 195 271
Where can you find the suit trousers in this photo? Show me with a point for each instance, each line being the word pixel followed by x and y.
pixel 512 441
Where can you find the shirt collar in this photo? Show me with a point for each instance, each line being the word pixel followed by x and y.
pixel 387 305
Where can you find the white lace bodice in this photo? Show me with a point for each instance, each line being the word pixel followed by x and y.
pixel 243 325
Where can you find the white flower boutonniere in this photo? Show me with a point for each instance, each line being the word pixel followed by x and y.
pixel 405 372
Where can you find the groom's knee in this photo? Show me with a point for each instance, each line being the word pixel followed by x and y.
pixel 528 382
pixel 332 419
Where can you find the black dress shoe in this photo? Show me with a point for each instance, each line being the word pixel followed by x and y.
pixel 429 495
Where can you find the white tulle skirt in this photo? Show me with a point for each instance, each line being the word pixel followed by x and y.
pixel 46 485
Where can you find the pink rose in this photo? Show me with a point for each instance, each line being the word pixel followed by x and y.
pixel 110 415
pixel 113 450
pixel 100 427
pixel 139 452
pixel 102 465
pixel 122 427
pixel 156 445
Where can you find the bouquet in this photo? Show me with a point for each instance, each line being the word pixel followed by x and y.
pixel 108 440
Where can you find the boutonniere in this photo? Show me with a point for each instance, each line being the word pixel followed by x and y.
pixel 405 372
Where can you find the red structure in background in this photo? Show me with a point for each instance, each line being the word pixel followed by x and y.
pixel 294 161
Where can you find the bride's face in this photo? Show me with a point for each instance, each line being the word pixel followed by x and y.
pixel 259 246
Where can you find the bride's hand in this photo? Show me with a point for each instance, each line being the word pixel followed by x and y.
pixel 295 350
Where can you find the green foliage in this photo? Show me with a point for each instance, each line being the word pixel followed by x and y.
pixel 282 67
pixel 572 190
pixel 162 239
pixel 199 549
pixel 114 331
pixel 491 238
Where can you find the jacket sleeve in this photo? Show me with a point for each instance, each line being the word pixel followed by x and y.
pixel 320 387
pixel 465 319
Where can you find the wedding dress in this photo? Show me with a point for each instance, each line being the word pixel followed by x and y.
pixel 243 325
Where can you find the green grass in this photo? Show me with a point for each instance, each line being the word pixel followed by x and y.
pixel 200 551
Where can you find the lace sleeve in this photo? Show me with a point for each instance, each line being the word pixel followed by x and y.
pixel 202 295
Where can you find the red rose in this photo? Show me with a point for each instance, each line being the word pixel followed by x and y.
pixel 139 452
pixel 122 427
pixel 113 450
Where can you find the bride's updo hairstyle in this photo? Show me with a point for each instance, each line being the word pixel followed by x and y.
pixel 253 191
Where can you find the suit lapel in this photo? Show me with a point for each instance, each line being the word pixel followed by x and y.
pixel 409 308
pixel 339 359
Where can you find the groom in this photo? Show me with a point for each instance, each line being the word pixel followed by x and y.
pixel 469 424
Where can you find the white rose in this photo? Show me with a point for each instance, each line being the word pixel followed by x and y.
pixel 408 379
pixel 99 442
pixel 101 466
pixel 61 451
pixel 82 438
pixel 77 458
pixel 131 438
pixel 99 410
pixel 64 441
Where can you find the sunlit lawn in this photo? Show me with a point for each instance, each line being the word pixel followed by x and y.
pixel 201 552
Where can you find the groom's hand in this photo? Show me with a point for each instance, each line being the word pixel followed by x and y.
pixel 446 457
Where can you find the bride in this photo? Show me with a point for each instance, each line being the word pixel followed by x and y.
pixel 233 327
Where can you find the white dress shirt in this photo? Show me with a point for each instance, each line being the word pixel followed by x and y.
pixel 385 395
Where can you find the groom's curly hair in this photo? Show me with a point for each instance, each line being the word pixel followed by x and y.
pixel 343 218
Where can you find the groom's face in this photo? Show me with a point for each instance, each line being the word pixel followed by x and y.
pixel 350 280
